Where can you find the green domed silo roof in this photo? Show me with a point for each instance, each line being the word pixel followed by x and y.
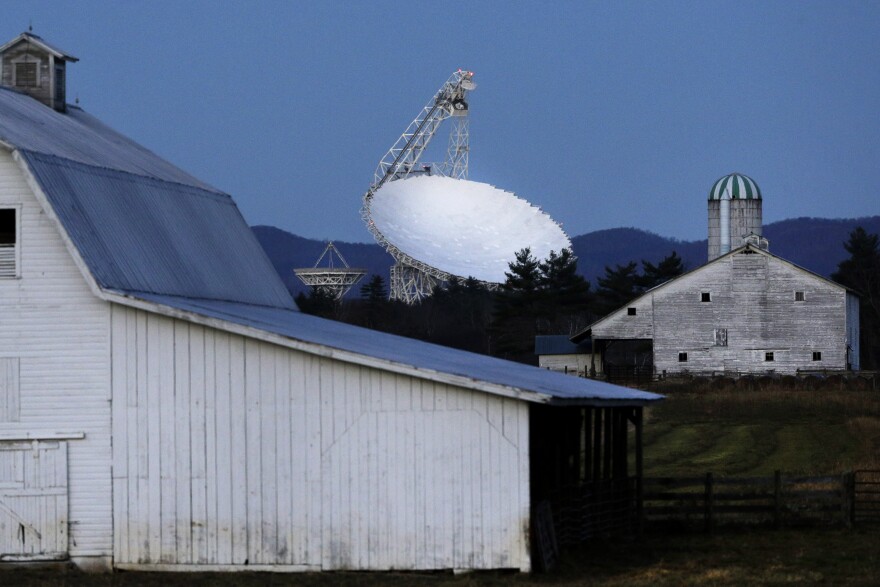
pixel 739 186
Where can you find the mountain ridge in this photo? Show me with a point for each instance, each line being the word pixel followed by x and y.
pixel 815 244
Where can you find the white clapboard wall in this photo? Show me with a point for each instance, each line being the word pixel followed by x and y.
pixel 233 451
pixel 55 363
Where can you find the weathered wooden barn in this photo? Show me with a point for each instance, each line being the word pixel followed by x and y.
pixel 747 311
pixel 164 404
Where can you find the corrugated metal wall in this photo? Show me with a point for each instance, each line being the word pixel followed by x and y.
pixel 59 331
pixel 232 451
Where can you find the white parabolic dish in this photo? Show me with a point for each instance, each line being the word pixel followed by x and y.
pixel 460 227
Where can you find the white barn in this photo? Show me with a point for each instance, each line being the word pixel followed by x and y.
pixel 747 311
pixel 164 404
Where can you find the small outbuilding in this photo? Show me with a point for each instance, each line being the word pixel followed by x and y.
pixel 165 405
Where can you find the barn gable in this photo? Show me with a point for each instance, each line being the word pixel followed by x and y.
pixel 746 311
pixel 133 221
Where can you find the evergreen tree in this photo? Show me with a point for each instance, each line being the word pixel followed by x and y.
pixel 374 302
pixel 517 308
pixel 565 298
pixel 618 287
pixel 668 268
pixel 538 297
pixel 861 272
pixel 319 302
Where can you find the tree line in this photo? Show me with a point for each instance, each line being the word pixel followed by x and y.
pixel 550 297
pixel 537 297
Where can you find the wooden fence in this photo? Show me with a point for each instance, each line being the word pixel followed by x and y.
pixel 866 497
pixel 776 500
pixel 580 513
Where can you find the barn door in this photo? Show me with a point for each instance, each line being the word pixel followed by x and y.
pixel 33 500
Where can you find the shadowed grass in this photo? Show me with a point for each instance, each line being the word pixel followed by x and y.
pixel 731 557
pixel 755 432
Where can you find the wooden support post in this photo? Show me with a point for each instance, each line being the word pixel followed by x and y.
pixel 588 443
pixel 640 495
pixel 606 465
pixel 777 498
pixel 709 500
pixel 597 445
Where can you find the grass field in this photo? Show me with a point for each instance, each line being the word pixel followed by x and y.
pixel 757 431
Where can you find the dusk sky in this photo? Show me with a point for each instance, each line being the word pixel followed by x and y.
pixel 604 114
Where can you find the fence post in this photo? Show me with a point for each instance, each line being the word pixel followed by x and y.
pixel 709 499
pixel 777 498
pixel 848 498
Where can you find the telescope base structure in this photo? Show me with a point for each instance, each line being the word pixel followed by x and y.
pixel 410 284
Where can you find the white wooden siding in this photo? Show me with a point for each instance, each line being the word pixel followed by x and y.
pixel 10 392
pixel 753 297
pixel 59 333
pixel 232 451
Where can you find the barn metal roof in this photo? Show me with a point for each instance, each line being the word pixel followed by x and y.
pixel 153 235
pixel 530 383
pixel 138 222
pixel 29 125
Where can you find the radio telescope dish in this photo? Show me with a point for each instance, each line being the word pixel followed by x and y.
pixel 336 280
pixel 458 227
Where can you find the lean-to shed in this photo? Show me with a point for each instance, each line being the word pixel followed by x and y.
pixel 164 404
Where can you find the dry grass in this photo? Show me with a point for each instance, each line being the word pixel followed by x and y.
pixel 733 431
pixel 759 557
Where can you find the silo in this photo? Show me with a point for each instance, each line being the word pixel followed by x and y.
pixel 734 213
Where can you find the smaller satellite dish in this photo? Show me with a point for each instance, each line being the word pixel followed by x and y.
pixel 336 280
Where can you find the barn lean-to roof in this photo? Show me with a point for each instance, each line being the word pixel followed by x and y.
pixel 148 235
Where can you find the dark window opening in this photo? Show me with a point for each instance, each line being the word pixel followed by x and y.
pixel 705 297
pixel 7 226
pixel 720 337
pixel 768 356
pixel 682 357
pixel 798 296
pixel 817 355
pixel 630 311
pixel 59 83
pixel 26 75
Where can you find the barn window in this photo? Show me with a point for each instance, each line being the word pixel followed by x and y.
pixel 630 311
pixel 817 355
pixel 768 356
pixel 9 390
pixel 682 357
pixel 705 297
pixel 720 337
pixel 8 242
pixel 798 296
pixel 27 74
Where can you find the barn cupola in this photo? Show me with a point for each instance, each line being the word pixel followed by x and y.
pixel 734 213
pixel 36 68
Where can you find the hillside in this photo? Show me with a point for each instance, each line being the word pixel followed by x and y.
pixel 813 243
